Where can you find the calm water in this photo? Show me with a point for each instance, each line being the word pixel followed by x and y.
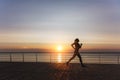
pixel 88 57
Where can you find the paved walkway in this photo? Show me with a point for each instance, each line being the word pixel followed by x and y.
pixel 54 71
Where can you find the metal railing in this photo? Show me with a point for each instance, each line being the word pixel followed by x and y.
pixel 92 58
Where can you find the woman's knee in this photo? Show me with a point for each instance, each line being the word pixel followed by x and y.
pixel 79 55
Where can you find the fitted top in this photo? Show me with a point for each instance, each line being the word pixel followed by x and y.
pixel 77 45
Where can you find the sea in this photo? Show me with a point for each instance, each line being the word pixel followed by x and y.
pixel 61 57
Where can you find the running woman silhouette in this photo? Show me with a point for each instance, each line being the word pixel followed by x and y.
pixel 76 46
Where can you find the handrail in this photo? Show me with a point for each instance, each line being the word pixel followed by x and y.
pixel 52 57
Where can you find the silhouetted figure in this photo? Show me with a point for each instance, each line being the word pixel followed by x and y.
pixel 76 47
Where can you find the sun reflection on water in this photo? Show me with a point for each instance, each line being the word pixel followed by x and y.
pixel 59 57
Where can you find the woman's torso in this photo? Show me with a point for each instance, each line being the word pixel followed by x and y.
pixel 77 46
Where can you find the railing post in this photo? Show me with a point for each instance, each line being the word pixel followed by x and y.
pixel 118 59
pixel 23 57
pixel 10 57
pixel 50 57
pixel 36 58
pixel 99 58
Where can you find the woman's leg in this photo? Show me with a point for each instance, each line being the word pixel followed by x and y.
pixel 80 59
pixel 72 57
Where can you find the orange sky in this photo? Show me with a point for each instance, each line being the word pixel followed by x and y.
pixel 65 47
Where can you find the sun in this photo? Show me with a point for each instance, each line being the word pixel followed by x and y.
pixel 59 48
